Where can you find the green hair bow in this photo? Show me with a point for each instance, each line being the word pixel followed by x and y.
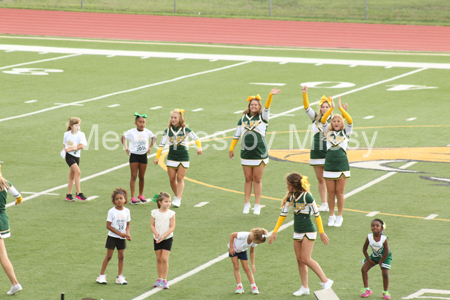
pixel 140 116
pixel 155 198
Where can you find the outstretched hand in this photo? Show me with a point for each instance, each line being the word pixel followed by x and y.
pixel 304 89
pixel 272 237
pixel 324 238
pixel 275 91
pixel 332 103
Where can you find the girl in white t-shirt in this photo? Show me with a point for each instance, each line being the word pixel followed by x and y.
pixel 162 224
pixel 239 243
pixel 139 147
pixel 74 141
pixel 118 223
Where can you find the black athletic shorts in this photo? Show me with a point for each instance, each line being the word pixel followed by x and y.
pixel 112 243
pixel 138 158
pixel 164 245
pixel 70 160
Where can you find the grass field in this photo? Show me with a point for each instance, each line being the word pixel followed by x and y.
pixel 432 12
pixel 397 101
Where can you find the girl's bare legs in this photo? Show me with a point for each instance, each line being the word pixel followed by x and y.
pixel 247 270
pixel 109 253
pixel 303 250
pixel 340 189
pixel 248 173
pixel 322 184
pixel 237 274
pixel 134 169
pixel 142 169
pixel 120 256
pixel 331 188
pixel 257 182
pixel 173 179
pixel 180 181
pixel 6 263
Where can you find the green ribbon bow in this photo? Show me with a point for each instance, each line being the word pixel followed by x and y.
pixel 155 198
pixel 140 116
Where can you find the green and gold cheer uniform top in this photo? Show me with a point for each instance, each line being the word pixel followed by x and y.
pixel 304 206
pixel 253 131
pixel 178 142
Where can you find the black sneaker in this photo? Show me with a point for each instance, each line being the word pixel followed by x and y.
pixel 80 196
pixel 69 198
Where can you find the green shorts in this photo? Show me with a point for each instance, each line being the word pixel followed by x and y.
pixel 386 263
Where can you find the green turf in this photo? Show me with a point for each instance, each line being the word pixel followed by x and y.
pixel 432 12
pixel 58 246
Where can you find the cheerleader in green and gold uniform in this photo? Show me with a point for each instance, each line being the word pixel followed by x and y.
pixel 254 152
pixel 336 169
pixel 319 144
pixel 303 204
pixel 177 135
pixel 6 186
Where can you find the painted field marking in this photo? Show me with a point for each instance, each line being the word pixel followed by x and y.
pixel 198 109
pixel 114 105
pixel 144 57
pixel 66 104
pixel 109 56
pixel 32 193
pixel 318 65
pixel 127 91
pixel 283 62
pixel 352 66
pixel 372 214
pixel 411 119
pixel 91 198
pixel 368 117
pixel 226 46
pixel 198 269
pixel 156 107
pixel 441 179
pixel 388 67
pixel 238 112
pixel 31 101
pixel 180 58
pixel 213 60
pixel 39 61
pixel 431 217
pixel 10 50
pixel 421 292
pixel 261 205
pixel 269 84
pixel 227 57
pixel 201 204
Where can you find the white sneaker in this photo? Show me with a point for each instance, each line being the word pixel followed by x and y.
pixel 14 289
pixel 331 220
pixel 339 220
pixel 324 207
pixel 256 209
pixel 302 291
pixel 121 280
pixel 246 208
pixel 327 284
pixel 101 279
pixel 176 202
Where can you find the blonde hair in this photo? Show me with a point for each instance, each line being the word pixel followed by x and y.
pixel 247 111
pixel 295 180
pixel 161 197
pixel 72 121
pixel 259 235
pixel 320 114
pixel 119 191
pixel 181 118
pixel 330 127
pixel 3 183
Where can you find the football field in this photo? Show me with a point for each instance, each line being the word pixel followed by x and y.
pixel 399 158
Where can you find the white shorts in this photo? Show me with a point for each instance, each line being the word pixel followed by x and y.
pixel 309 235
pixel 175 164
pixel 335 175
pixel 254 162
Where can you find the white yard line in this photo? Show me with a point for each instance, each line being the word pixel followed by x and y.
pixel 225 255
pixel 297 49
pixel 39 61
pixel 124 91
pixel 209 57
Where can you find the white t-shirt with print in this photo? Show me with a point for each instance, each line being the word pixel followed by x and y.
pixel 162 222
pixel 138 140
pixel 240 243
pixel 71 140
pixel 118 219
